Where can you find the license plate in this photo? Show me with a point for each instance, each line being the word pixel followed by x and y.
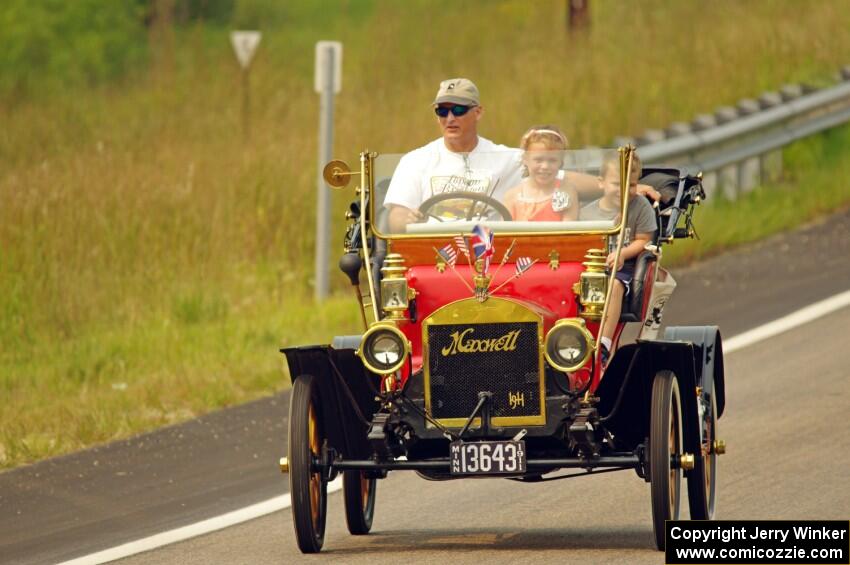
pixel 487 457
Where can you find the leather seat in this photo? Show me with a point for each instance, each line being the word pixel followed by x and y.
pixel 633 302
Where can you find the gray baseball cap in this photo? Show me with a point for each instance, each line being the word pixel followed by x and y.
pixel 458 91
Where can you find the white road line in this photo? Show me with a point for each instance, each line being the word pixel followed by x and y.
pixel 785 323
pixel 193 530
pixel 740 341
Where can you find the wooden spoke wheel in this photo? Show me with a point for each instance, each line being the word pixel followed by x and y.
pixel 702 479
pixel 665 447
pixel 359 495
pixel 309 491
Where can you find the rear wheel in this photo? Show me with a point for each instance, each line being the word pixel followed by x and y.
pixel 359 495
pixel 665 447
pixel 309 491
pixel 702 479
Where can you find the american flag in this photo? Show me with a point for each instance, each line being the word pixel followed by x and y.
pixel 460 241
pixel 448 254
pixel 523 264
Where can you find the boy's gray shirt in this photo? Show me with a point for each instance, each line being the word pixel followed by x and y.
pixel 639 219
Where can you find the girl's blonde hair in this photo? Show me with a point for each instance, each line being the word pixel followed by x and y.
pixel 550 136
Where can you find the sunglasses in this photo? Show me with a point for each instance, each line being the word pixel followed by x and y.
pixel 457 110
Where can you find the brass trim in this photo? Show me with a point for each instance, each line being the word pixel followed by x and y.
pixel 481 280
pixel 440 264
pixel 393 266
pixel 364 190
pixel 591 344
pixel 378 327
pixel 393 272
pixel 450 234
pixel 554 260
pixel 686 461
pixel 626 155
pixel 594 263
pixel 507 234
pixel 337 174
pixel 494 311
pixel 284 465
pixel 719 447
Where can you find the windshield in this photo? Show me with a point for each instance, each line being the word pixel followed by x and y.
pixel 435 191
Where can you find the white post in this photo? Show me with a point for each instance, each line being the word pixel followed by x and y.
pixel 328 83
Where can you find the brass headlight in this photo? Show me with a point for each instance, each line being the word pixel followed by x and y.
pixel 384 349
pixel 569 345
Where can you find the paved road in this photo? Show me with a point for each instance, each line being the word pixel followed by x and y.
pixel 100 498
pixel 789 450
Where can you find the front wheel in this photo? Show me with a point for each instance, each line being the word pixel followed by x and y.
pixel 308 489
pixel 359 496
pixel 702 479
pixel 665 447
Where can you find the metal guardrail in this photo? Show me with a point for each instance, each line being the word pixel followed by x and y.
pixel 739 148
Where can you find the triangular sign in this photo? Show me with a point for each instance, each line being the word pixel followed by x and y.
pixel 244 44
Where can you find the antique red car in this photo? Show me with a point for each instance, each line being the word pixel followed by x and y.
pixel 480 354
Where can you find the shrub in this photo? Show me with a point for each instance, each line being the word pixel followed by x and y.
pixel 49 45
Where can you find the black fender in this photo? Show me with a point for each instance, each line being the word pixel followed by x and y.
pixel 709 351
pixel 347 391
pixel 625 392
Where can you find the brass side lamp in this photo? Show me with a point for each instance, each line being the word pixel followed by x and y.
pixel 593 285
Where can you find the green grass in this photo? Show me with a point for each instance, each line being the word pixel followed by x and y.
pixel 152 261
pixel 114 381
pixel 812 185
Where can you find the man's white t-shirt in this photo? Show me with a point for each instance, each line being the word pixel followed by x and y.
pixel 489 169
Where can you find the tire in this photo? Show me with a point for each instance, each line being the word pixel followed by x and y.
pixel 307 488
pixel 665 444
pixel 702 479
pixel 359 497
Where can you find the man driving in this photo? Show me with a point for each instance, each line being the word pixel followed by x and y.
pixel 459 161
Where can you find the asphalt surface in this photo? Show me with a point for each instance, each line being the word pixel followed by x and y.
pixel 788 439
pixel 96 499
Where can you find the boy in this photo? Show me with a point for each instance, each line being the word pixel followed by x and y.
pixel 639 229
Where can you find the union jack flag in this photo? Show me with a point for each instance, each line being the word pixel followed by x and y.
pixel 460 241
pixel 482 241
pixel 523 264
pixel 448 254
pixel 482 245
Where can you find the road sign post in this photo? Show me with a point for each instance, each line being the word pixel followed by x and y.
pixel 245 45
pixel 328 82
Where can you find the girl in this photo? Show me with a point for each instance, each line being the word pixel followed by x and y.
pixel 543 195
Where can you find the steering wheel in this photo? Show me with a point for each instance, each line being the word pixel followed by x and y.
pixel 476 200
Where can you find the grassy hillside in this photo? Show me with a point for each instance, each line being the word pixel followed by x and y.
pixel 152 260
